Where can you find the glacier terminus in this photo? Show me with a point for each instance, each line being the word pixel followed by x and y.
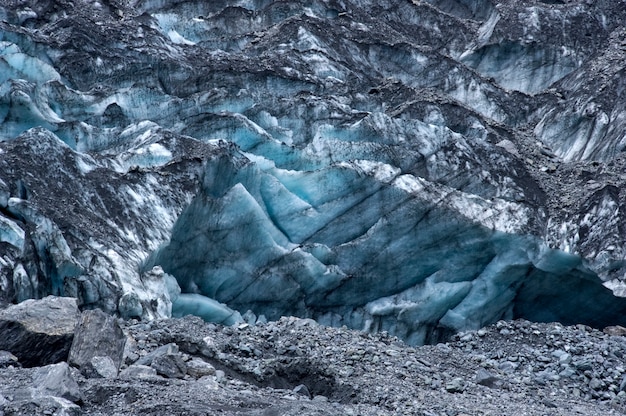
pixel 415 167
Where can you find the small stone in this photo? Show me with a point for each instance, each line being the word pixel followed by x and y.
pixel 547 375
pixel 507 366
pixel 130 357
pixel 7 359
pixel 565 359
pixel 198 368
pixel 302 390
pixel 392 353
pixel 209 382
pixel 456 385
pixel 485 378
pixel 615 330
pixel 163 350
pixel 130 306
pixel 100 367
pixel 583 365
pixel 138 371
pixel 220 376
pixel 595 384
pixel 567 372
pixel 170 366
pixel 558 353
pixel 549 403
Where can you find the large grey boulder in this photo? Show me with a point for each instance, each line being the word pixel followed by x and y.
pixel 56 380
pixel 51 390
pixel 98 335
pixel 39 332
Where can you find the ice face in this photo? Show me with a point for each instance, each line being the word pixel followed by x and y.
pixel 526 68
pixel 11 233
pixel 414 167
pixel 580 134
pixel 468 9
pixel 361 245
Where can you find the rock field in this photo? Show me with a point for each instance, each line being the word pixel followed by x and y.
pixel 298 367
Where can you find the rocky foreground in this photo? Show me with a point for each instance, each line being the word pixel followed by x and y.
pixel 105 366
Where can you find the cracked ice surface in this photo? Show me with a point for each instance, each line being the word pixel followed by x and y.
pixel 425 171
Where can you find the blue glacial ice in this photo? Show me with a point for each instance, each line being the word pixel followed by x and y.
pixel 361 244
pixel 401 173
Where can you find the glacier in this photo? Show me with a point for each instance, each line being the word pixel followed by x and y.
pixel 415 167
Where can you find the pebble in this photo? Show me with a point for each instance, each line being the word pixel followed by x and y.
pixel 456 385
pixel 485 378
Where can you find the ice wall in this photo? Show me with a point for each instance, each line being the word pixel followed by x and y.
pixel 363 245
pixel 415 167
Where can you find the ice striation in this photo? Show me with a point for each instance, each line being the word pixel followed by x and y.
pixel 415 167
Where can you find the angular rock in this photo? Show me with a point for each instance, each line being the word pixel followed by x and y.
pixel 302 390
pixel 456 385
pixel 44 405
pixel 507 367
pixel 7 359
pixel 584 364
pixel 163 350
pixel 138 372
pixel 596 384
pixel 56 380
pixel 100 367
pixel 97 335
pixel 170 366
pixel 565 359
pixel 39 332
pixel 485 378
pixel 616 330
pixel 130 306
pixel 568 371
pixel 198 368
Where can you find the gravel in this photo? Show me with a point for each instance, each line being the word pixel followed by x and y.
pixel 297 367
